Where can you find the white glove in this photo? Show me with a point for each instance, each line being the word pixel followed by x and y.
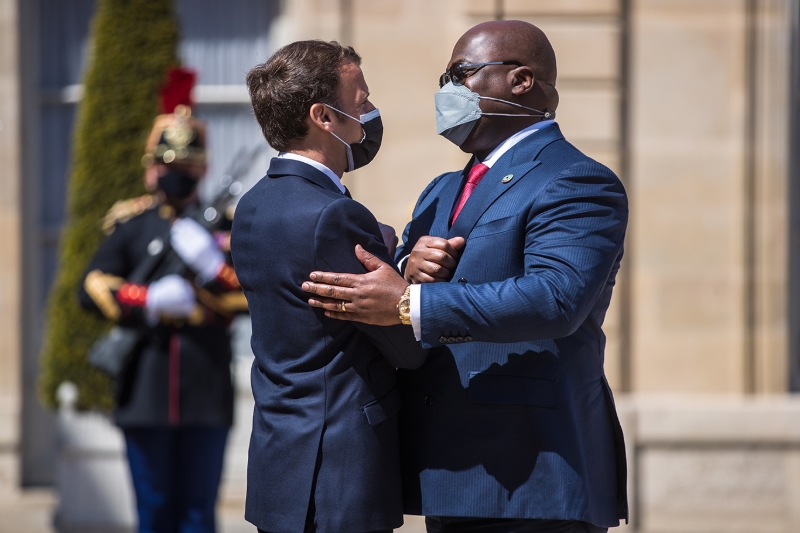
pixel 171 296
pixel 197 248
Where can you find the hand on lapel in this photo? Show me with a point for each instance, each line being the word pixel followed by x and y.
pixel 433 259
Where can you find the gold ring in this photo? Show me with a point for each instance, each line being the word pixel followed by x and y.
pixel 344 310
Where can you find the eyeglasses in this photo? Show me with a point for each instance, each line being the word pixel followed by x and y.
pixel 461 71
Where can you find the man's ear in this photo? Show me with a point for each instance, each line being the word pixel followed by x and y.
pixel 320 116
pixel 522 80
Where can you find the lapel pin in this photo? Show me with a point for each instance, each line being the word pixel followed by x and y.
pixel 507 178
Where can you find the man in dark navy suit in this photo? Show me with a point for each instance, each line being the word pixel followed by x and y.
pixel 324 451
pixel 509 425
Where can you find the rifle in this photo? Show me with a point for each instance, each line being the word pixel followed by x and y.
pixel 112 352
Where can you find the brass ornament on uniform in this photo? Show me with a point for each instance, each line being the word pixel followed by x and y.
pixel 124 210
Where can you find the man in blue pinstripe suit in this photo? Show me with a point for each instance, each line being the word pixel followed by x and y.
pixel 509 265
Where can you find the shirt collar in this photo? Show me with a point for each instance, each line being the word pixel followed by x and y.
pixel 316 164
pixel 512 141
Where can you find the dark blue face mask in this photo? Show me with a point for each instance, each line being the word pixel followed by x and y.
pixel 177 185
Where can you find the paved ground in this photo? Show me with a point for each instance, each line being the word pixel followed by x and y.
pixel 31 512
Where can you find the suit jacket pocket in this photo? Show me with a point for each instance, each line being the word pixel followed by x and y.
pixel 495 226
pixel 514 389
pixel 384 408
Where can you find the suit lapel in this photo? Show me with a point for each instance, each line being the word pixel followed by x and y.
pixel 447 200
pixel 504 174
pixel 429 216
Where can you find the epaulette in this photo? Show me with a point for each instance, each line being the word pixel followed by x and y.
pixel 124 210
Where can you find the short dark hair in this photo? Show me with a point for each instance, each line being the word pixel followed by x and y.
pixel 299 75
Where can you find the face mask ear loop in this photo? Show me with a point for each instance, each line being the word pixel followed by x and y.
pixel 546 114
pixel 340 139
pixel 343 113
pixel 348 151
pixel 363 136
pixel 363 133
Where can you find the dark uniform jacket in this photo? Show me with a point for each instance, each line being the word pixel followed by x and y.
pixel 324 441
pixel 180 373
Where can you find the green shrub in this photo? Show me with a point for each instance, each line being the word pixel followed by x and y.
pixel 134 43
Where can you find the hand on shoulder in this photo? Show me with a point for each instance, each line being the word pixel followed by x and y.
pixel 370 298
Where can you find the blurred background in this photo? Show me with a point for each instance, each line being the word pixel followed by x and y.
pixel 694 103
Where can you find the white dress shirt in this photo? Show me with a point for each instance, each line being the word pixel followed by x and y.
pixel 316 164
pixel 491 159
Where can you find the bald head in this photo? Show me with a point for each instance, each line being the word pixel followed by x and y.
pixel 514 40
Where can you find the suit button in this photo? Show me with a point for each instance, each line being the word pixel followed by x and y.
pixel 468 338
pixel 428 400
pixel 462 280
pixel 443 339
pixel 451 339
pixel 459 339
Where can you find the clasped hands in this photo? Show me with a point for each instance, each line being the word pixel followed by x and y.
pixel 372 297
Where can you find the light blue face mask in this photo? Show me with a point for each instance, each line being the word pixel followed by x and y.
pixel 458 110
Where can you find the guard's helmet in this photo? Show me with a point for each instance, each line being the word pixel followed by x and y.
pixel 176 137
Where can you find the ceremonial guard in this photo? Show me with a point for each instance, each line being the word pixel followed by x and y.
pixel 175 393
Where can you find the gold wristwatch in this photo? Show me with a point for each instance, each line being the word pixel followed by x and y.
pixel 404 307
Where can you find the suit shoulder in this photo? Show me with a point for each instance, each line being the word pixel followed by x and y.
pixel 574 160
pixel 341 224
pixel 345 209
pixel 436 181
pixel 582 178
pixel 562 161
pixel 251 196
pixel 342 218
pixel 442 177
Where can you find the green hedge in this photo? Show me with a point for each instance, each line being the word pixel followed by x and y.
pixel 134 44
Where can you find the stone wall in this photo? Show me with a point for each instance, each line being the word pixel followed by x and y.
pixel 712 463
pixel 10 207
pixel 708 240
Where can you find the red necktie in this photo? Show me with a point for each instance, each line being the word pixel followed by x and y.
pixel 476 173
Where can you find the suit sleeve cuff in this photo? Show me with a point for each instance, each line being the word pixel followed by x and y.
pixel 402 263
pixel 416 320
